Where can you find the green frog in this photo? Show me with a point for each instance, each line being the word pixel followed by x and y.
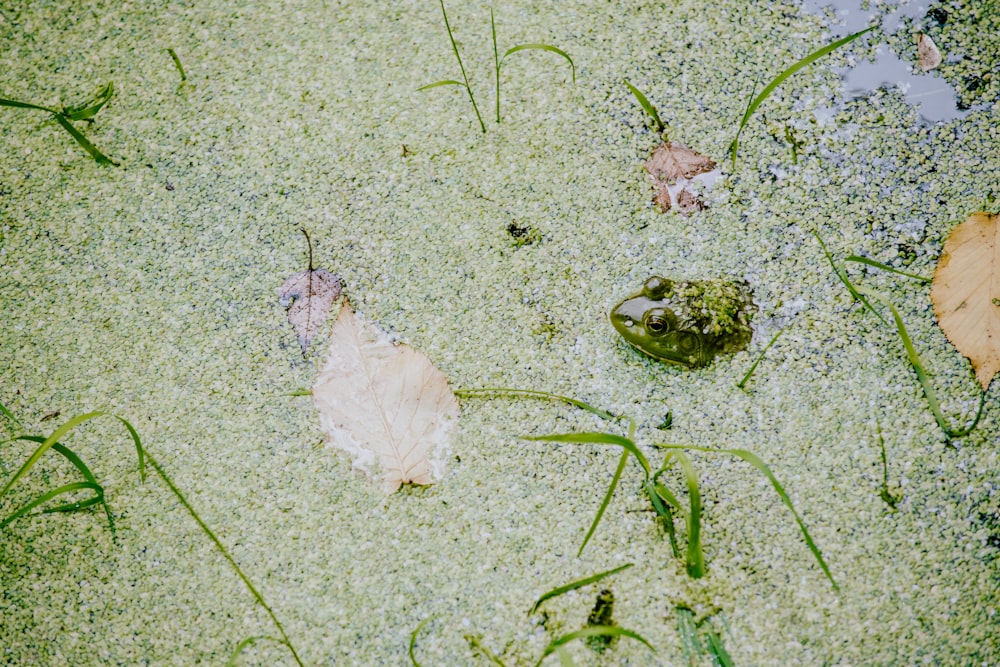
pixel 686 322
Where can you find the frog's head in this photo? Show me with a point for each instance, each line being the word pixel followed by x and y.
pixel 648 321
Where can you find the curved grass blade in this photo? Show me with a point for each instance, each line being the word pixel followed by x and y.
pixel 177 64
pixel 542 47
pixel 476 645
pixel 100 157
pixel 49 495
pixel 232 562
pixel 446 82
pixel 847 282
pixel 248 642
pixel 89 109
pixel 10 416
pixel 592 631
pixel 413 641
pixel 778 80
pixel 746 378
pixel 597 438
pixel 758 463
pixel 923 378
pixel 648 107
pixel 579 583
pixel 528 393
pixel 695 555
pixel 885 267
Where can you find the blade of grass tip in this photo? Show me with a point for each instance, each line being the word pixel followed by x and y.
pixel 89 109
pixel 604 503
pixel 89 476
pixel 778 80
pixel 225 553
pixel 413 641
pixel 695 556
pixel 597 438
pixel 528 393
pixel 177 64
pixel 496 61
pixel 720 657
pixel 686 628
pixel 579 583
pixel 139 452
pixel 647 107
pixel 10 415
pixel 247 643
pixel 543 47
pixel 884 492
pixel 847 282
pixel 98 156
pixel 758 463
pixel 49 495
pixel 477 645
pixel 923 378
pixel 592 631
pixel 25 105
pixel 746 378
pixel 465 77
pixel 44 447
pixel 885 267
pixel 735 143
pixel 446 82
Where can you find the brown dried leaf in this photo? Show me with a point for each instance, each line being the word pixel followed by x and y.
pixel 928 56
pixel 385 404
pixel 688 202
pixel 673 161
pixel 966 292
pixel 308 296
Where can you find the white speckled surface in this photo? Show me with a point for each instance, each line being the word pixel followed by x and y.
pixel 158 304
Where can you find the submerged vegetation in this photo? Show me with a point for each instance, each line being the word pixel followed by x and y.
pixel 81 112
pixel 498 62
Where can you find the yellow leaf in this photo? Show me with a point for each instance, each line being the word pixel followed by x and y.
pixel 385 404
pixel 966 292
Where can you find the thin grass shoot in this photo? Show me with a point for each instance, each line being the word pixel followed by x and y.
pixel 411 651
pixel 465 78
pixel 746 378
pixel 592 631
pixel 177 64
pixel 886 267
pixel 579 583
pixel 891 499
pixel 648 107
pixel 778 80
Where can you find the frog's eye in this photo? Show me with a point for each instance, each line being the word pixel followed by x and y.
pixel 656 288
pixel 659 321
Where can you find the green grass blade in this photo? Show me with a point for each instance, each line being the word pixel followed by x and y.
pixel 688 630
pixel 496 61
pixel 225 553
pixel 89 109
pixel 778 80
pixel 746 378
pixel 177 64
pixel 446 82
pixel 605 502
pixel 758 463
pixel 579 583
pixel 695 555
pixel 542 47
pixel 98 156
pixel 885 267
pixel 49 495
pixel 648 107
pixel 596 438
pixel 477 645
pixel 592 631
pixel 413 641
pixel 139 452
pixel 465 77
pixel 44 447
pixel 528 393
pixel 10 416
pixel 25 105
pixel 720 657
pixel 923 378
pixel 247 643
pixel 847 282
pixel 89 476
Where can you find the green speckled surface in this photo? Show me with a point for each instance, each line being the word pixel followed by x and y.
pixel 159 304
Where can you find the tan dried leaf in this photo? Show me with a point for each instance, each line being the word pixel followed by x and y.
pixel 384 404
pixel 928 56
pixel 966 292
pixel 673 161
pixel 308 296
